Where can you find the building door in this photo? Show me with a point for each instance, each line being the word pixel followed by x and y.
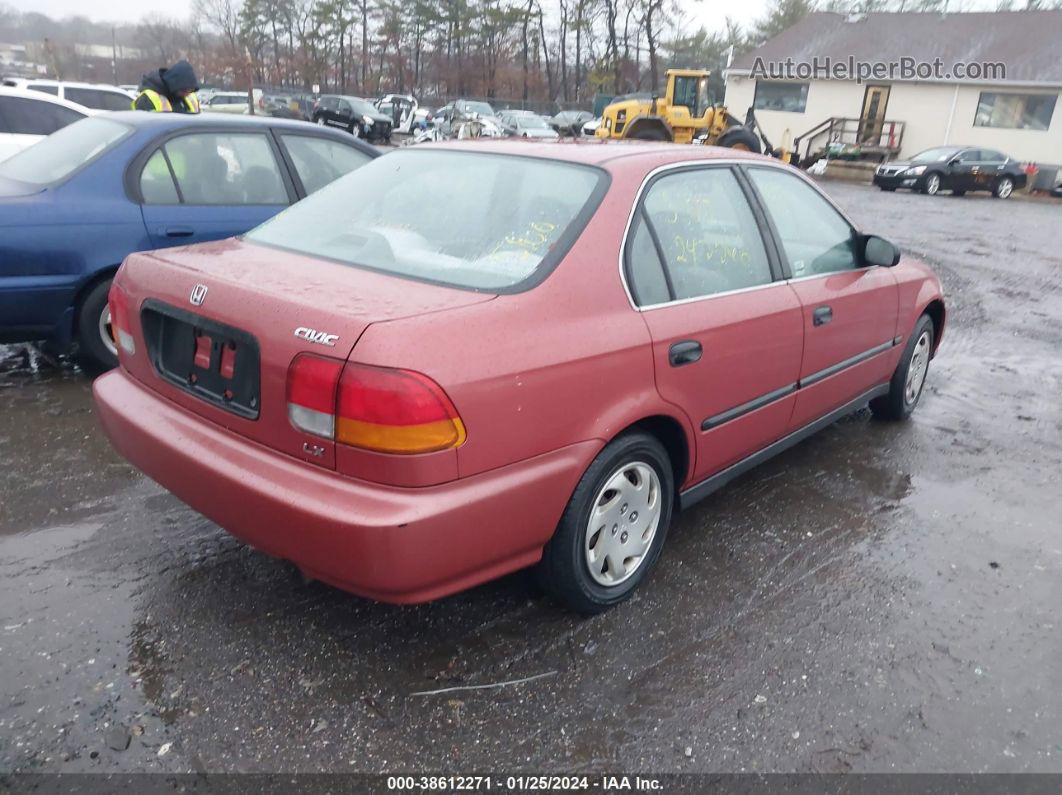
pixel 875 98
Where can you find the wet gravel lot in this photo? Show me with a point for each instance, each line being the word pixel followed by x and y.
pixel 883 597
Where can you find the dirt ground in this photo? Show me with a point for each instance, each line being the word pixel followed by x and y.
pixel 883 597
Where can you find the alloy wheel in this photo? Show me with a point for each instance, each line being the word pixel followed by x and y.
pixel 932 184
pixel 1006 187
pixel 916 370
pixel 623 522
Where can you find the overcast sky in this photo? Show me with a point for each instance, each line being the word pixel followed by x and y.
pixel 709 13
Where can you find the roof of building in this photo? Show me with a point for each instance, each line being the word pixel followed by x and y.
pixel 1026 42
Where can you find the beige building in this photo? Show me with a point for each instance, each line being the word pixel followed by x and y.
pixel 798 85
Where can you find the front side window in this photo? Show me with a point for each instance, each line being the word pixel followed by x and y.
pixel 790 97
pixel 815 237
pixel 58 156
pixel 1015 111
pixel 319 161
pixel 707 233
pixel 467 219
pixel 23 116
pixel 226 168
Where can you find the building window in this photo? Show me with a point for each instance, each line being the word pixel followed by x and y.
pixel 792 97
pixel 1015 111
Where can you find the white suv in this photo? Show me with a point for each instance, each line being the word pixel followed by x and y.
pixel 90 95
pixel 28 116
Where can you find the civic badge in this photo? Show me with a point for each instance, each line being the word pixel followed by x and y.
pixel 198 295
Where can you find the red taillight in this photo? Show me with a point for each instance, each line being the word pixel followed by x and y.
pixel 312 384
pixel 374 408
pixel 395 411
pixel 118 303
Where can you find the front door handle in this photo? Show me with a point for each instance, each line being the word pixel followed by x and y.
pixel 179 231
pixel 821 316
pixel 685 352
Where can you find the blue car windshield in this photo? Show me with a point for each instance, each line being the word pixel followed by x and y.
pixel 56 157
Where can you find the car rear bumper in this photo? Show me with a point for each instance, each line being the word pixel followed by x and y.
pixel 387 543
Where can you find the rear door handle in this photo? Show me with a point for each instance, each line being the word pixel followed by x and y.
pixel 821 316
pixel 178 231
pixel 685 352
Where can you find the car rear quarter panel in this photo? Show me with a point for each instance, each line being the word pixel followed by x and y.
pixel 564 362
pixel 56 241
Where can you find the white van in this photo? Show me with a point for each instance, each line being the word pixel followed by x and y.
pixel 97 96
pixel 28 116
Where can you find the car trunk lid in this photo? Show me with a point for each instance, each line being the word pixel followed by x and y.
pixel 220 323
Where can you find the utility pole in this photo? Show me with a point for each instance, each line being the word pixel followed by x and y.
pixel 114 56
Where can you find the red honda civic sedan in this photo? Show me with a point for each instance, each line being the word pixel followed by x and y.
pixel 477 357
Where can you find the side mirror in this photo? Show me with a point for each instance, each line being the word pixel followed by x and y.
pixel 879 251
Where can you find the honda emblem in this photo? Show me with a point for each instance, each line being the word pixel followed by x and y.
pixel 198 295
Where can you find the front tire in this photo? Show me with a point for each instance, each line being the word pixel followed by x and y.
pixel 96 348
pixel 909 378
pixel 931 184
pixel 613 528
pixel 1004 188
pixel 648 132
pixel 740 138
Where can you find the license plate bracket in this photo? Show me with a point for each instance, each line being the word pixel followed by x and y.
pixel 213 361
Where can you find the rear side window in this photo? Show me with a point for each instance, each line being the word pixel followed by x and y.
pixel 156 181
pixel 98 98
pixel 222 168
pixel 24 116
pixel 645 271
pixel 467 219
pixel 319 161
pixel 707 233
pixel 815 236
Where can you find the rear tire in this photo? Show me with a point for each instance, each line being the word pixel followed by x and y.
pixel 740 138
pixel 629 490
pixel 96 348
pixel 909 378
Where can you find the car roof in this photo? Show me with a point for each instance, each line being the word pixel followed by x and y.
pixel 9 91
pixel 139 118
pixel 600 153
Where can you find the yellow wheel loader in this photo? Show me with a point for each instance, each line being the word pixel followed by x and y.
pixel 683 115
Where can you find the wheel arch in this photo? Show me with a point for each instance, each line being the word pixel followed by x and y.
pixel 675 439
pixel 104 273
pixel 936 312
pixel 644 121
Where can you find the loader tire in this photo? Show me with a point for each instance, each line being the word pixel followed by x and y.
pixel 740 138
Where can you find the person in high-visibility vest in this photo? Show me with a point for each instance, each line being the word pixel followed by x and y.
pixel 169 90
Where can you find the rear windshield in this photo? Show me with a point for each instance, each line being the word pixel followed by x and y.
pixel 467 219
pixel 56 157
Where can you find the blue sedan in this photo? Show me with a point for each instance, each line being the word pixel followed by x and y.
pixel 73 206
